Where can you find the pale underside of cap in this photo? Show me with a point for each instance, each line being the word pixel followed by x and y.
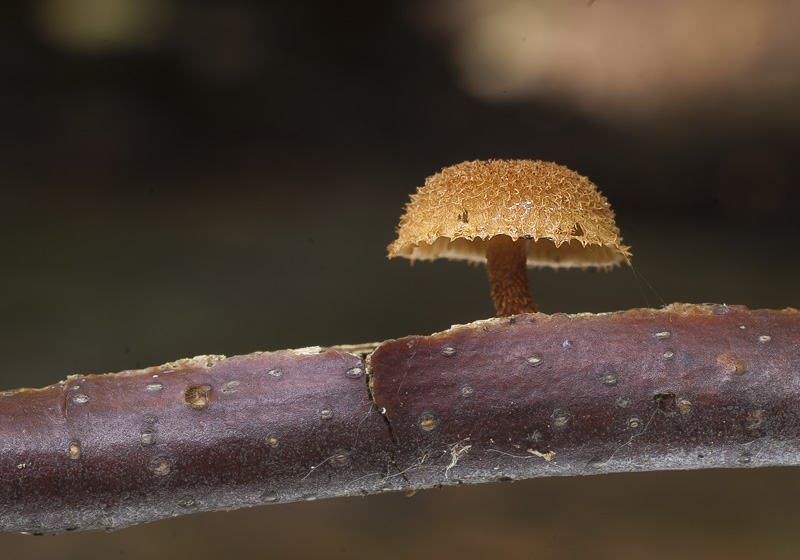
pixel 566 220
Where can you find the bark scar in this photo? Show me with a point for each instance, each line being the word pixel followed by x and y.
pixel 370 373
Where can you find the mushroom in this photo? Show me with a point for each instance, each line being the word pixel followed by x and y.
pixel 510 214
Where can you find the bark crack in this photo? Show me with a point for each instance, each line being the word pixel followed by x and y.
pixel 382 411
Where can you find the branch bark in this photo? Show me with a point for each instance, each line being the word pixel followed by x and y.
pixel 684 387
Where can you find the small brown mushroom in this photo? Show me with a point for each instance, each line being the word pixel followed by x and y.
pixel 511 214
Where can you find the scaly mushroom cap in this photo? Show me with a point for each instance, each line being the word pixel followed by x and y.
pixel 453 216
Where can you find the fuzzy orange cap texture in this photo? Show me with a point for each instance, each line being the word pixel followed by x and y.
pixel 569 222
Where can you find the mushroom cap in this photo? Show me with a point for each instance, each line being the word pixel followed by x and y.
pixel 569 222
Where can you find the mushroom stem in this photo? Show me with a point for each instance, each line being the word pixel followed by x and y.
pixel 505 259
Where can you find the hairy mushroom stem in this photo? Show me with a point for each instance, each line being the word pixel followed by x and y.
pixel 506 261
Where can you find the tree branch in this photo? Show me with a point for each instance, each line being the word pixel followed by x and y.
pixel 685 387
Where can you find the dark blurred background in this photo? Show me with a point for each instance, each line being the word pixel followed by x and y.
pixel 182 178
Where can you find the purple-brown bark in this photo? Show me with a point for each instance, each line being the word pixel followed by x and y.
pixel 685 387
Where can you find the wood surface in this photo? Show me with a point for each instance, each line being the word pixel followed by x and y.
pixel 684 387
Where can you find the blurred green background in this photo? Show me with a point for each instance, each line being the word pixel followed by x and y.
pixel 182 178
